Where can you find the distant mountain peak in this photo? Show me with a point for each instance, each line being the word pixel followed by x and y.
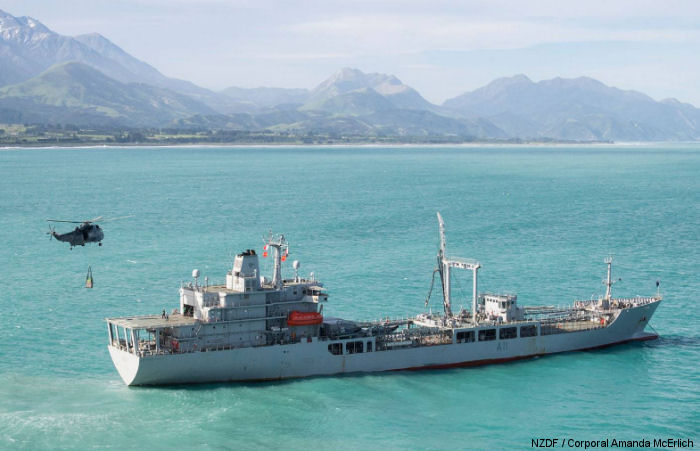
pixel 28 47
pixel 33 23
pixel 348 72
pixel 350 80
pixel 8 22
pixel 518 79
pixel 581 108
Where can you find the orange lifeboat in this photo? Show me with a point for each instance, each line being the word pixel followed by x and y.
pixel 297 318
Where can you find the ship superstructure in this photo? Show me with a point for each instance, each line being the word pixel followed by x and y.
pixel 257 328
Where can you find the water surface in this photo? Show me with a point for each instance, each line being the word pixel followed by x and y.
pixel 540 220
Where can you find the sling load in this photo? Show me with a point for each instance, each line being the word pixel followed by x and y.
pixel 88 279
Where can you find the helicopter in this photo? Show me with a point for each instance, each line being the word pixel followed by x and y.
pixel 87 232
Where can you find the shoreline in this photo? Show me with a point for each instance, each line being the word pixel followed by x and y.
pixel 486 144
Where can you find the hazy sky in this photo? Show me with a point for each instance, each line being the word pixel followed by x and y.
pixel 441 48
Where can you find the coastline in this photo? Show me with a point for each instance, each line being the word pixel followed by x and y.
pixel 369 145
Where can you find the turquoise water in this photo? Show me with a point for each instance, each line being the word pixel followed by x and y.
pixel 540 219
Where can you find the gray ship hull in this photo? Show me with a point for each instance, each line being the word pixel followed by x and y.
pixel 313 358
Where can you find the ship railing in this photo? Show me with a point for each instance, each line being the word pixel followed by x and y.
pixel 553 308
pixel 586 304
pixel 637 300
pixel 184 345
pixel 388 321
pixel 618 303
pixel 505 293
pixel 554 326
pixel 416 338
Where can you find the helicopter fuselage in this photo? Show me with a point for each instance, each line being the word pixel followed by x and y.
pixel 85 233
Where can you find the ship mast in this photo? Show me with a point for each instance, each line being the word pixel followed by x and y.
pixel 280 247
pixel 608 282
pixel 444 266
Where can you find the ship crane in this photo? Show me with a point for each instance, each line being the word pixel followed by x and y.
pixel 446 264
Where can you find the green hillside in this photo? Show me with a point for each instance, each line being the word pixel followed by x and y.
pixel 76 93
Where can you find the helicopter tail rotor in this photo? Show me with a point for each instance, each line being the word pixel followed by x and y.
pixel 51 232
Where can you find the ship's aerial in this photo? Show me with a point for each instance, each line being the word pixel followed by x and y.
pixel 259 328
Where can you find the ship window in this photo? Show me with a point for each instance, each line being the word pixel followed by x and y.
pixel 487 335
pixel 465 337
pixel 528 331
pixel 352 347
pixel 369 346
pixel 550 328
pixel 335 348
pixel 506 333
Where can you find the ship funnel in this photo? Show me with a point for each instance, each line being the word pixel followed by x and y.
pixel 246 272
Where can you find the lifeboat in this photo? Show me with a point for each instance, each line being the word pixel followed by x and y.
pixel 297 318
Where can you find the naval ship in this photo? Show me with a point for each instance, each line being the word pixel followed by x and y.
pixel 255 328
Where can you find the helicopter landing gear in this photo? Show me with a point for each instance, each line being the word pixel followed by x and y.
pixel 100 243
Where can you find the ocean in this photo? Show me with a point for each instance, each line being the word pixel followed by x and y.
pixel 540 219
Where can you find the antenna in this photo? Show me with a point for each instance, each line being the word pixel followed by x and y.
pixel 295 265
pixel 441 231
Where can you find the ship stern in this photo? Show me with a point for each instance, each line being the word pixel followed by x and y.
pixel 126 363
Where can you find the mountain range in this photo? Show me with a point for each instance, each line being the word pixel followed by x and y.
pixel 87 80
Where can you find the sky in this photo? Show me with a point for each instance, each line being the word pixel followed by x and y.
pixel 442 48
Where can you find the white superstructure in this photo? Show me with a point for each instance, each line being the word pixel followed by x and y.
pixel 255 328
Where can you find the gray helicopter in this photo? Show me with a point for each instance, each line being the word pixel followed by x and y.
pixel 86 232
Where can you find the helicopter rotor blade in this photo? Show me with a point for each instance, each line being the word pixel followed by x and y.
pixel 114 219
pixel 90 221
pixel 61 220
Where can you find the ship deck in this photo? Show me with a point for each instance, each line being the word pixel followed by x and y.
pixel 153 321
